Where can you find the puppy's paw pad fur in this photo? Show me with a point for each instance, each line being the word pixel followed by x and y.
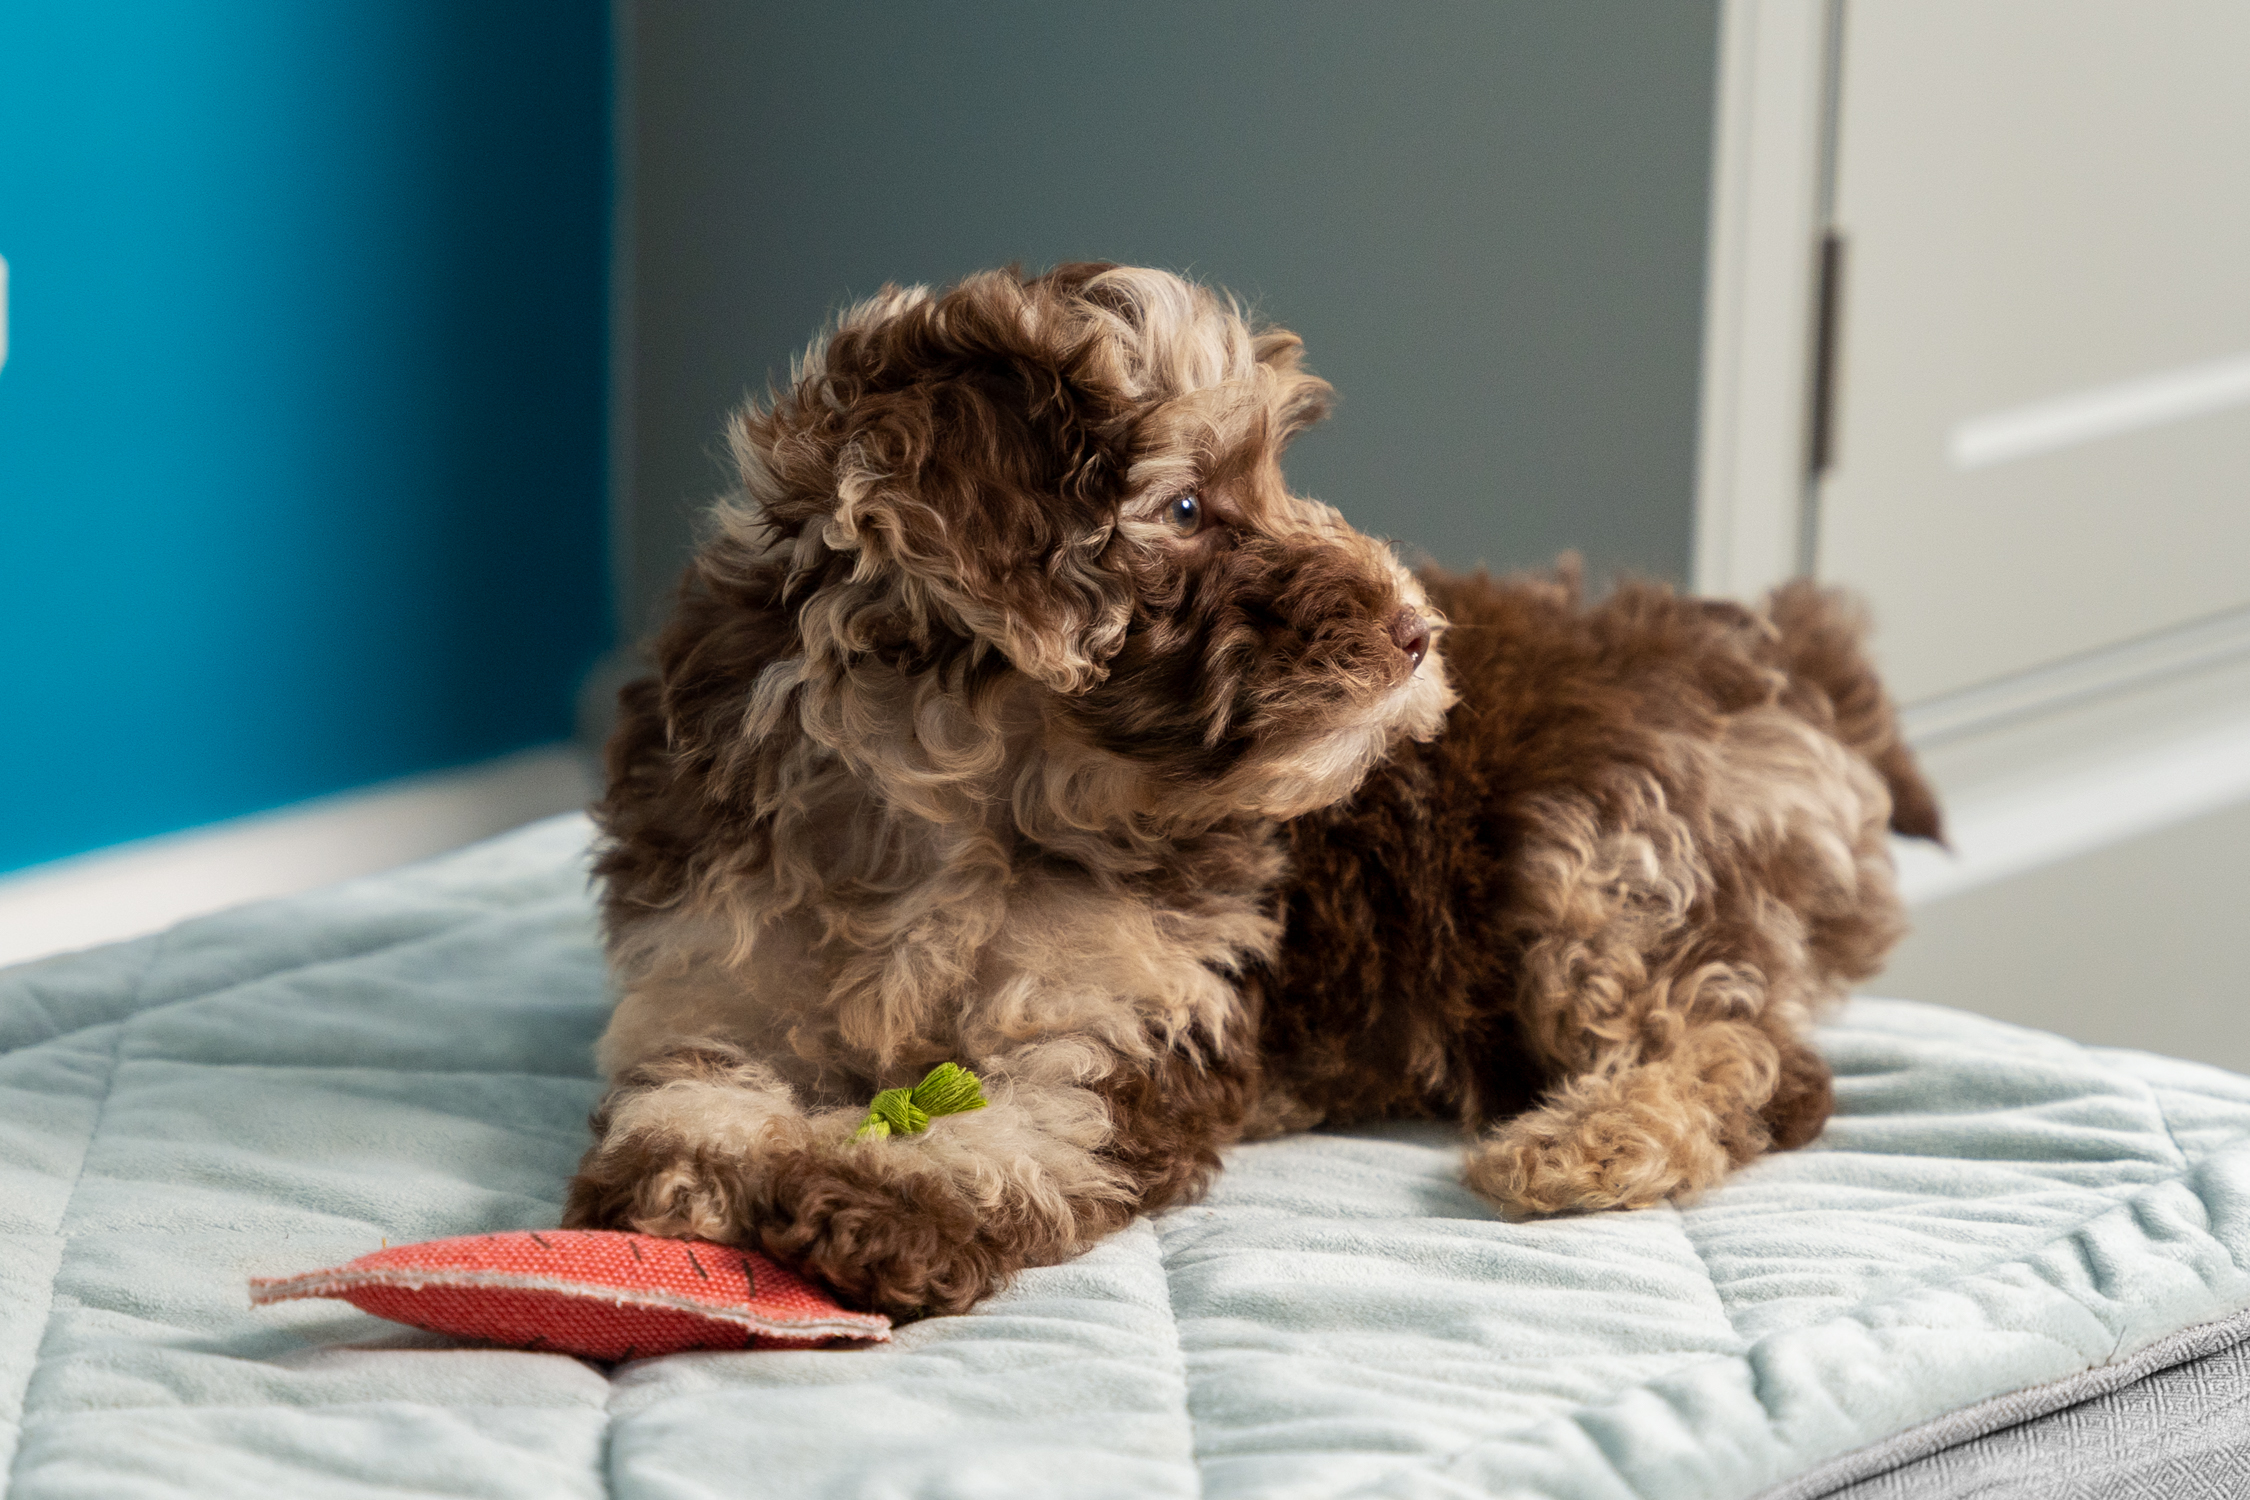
pixel 1546 1163
pixel 661 1188
pixel 902 1244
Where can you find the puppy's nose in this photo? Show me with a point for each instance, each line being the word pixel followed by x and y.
pixel 1412 633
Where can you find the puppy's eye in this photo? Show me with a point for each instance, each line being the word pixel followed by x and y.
pixel 1185 512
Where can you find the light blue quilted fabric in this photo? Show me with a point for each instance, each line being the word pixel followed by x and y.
pixel 285 1086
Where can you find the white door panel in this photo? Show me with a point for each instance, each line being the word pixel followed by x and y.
pixel 2042 430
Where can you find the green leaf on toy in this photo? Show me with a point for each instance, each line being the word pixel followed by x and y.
pixel 948 1089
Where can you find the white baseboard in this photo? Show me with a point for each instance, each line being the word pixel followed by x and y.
pixel 2066 761
pixel 148 885
pixel 2043 819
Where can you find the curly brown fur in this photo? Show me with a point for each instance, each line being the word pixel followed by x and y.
pixel 1591 919
pixel 1015 712
pixel 962 745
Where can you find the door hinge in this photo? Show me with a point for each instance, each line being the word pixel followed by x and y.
pixel 1828 311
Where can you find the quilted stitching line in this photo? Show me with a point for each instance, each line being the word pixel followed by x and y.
pixel 2187 1165
pixel 607 1459
pixel 136 1007
pixel 1440 1462
pixel 2148 1092
pixel 1726 1309
pixel 26 992
pixel 1453 1458
pixel 2164 1118
pixel 2118 1197
pixel 70 1199
pixel 1179 1353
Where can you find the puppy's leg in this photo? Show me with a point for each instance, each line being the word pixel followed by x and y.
pixel 1072 1142
pixel 677 1143
pixel 1638 1128
pixel 1662 985
pixel 933 1221
pixel 1642 1129
pixel 1803 1097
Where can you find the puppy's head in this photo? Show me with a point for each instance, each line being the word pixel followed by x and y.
pixel 1079 475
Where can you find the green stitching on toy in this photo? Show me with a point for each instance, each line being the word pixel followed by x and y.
pixel 948 1089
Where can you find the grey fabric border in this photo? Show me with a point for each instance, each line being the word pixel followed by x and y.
pixel 1972 1422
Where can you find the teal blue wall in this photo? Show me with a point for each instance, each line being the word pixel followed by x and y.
pixel 302 426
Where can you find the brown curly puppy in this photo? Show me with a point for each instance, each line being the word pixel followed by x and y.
pixel 1018 715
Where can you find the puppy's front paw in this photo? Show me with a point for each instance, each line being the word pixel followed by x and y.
pixel 677 1146
pixel 904 1243
pixel 663 1187
pixel 1612 1154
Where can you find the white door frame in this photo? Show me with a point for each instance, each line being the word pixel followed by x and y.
pixel 1771 168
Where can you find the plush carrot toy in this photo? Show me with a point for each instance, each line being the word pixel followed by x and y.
pixel 605 1294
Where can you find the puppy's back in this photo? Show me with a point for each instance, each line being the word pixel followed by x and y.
pixel 1409 907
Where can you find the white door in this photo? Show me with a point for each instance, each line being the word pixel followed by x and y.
pixel 2039 437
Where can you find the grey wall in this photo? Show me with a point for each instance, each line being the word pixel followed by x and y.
pixel 1486 219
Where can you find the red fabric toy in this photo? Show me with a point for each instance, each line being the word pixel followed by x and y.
pixel 595 1292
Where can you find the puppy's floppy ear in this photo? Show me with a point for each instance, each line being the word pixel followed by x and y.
pixel 1297 397
pixel 962 445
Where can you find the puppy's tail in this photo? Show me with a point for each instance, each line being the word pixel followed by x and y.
pixel 1821 630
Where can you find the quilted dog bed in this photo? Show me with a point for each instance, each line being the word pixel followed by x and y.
pixel 1994 1216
